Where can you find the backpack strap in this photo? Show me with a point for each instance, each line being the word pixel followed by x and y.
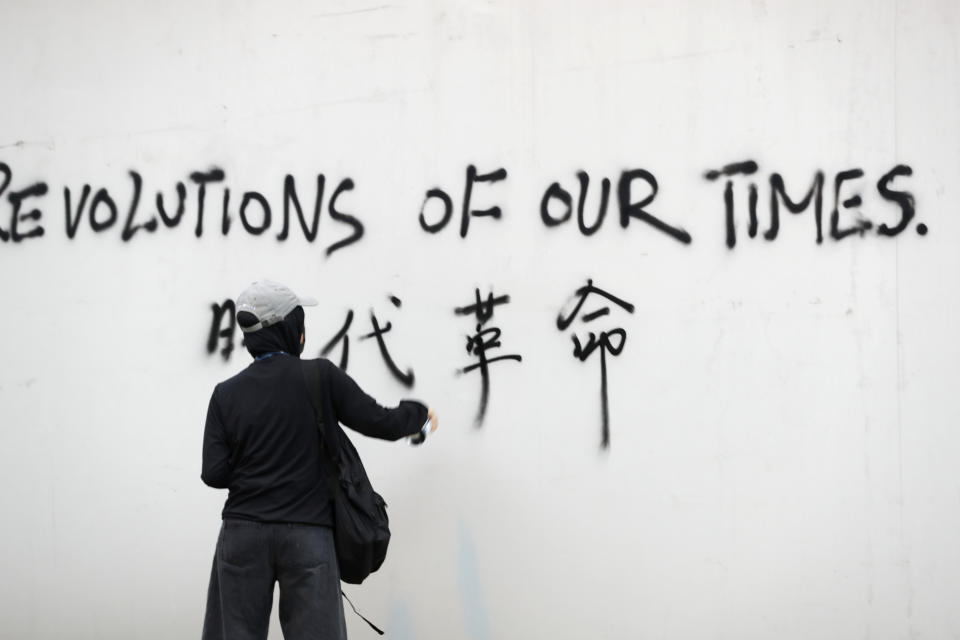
pixel 311 377
pixel 372 626
pixel 328 434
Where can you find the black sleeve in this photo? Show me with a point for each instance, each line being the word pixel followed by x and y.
pixel 216 450
pixel 361 413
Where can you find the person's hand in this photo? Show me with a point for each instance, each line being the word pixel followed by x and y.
pixel 434 421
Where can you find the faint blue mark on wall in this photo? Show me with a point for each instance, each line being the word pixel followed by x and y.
pixel 400 623
pixel 475 619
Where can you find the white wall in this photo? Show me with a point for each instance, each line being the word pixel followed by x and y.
pixel 783 416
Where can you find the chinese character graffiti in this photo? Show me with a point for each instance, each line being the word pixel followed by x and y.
pixel 482 341
pixel 609 341
pixel 406 378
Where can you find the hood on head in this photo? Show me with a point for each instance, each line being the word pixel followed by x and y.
pixel 282 336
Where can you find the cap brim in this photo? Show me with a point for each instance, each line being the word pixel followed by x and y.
pixel 307 302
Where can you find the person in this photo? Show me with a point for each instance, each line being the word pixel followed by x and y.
pixel 261 442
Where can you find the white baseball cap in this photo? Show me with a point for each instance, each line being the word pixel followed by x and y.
pixel 269 302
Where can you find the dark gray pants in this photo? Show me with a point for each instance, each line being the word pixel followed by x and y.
pixel 251 557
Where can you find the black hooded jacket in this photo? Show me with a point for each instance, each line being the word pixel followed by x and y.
pixel 261 438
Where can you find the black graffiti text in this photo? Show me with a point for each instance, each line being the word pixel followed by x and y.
pixel 212 200
pixel 846 202
pixel 23 225
pixel 556 196
pixel 467 211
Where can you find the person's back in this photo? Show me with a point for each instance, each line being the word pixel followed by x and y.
pixel 261 442
pixel 269 425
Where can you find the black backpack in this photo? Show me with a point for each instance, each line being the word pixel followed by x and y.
pixel 361 529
